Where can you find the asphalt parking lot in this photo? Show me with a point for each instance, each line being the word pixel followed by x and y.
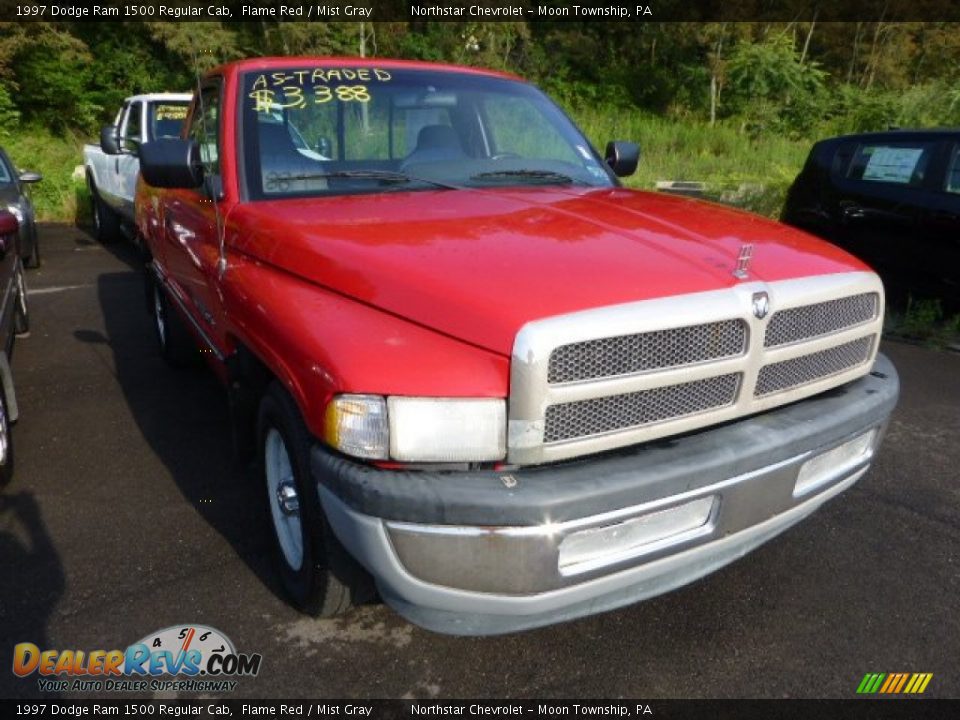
pixel 127 514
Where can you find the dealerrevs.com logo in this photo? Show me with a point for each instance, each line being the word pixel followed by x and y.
pixel 204 656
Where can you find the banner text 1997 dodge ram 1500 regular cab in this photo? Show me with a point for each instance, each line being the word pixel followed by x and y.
pixel 112 167
pixel 476 369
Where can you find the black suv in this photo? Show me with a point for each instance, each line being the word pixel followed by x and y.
pixel 893 199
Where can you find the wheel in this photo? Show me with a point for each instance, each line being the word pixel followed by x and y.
pixel 33 259
pixel 6 442
pixel 21 311
pixel 173 340
pixel 106 224
pixel 316 570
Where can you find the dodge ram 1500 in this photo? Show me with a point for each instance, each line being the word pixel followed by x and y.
pixel 473 367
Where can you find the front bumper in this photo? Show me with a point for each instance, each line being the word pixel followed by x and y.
pixel 486 552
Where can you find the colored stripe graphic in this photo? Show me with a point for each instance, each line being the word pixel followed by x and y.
pixel 870 683
pixel 894 683
pixel 891 680
pixel 903 680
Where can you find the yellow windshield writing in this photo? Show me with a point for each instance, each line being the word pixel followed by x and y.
pixel 170 112
pixel 276 91
pixel 320 76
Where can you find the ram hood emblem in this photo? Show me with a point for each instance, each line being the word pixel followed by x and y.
pixel 761 305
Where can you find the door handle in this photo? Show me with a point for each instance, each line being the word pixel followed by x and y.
pixel 947 216
pixel 853 212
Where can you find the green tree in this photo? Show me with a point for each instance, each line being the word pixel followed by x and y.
pixel 53 72
pixel 771 89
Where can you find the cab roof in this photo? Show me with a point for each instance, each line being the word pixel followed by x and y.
pixel 270 63
pixel 161 96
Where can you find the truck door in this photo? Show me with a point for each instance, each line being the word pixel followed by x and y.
pixel 880 199
pixel 127 165
pixel 941 230
pixel 192 223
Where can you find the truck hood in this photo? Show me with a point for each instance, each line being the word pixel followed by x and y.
pixel 479 264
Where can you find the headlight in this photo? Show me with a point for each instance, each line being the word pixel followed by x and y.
pixel 439 430
pixel 411 429
pixel 17 212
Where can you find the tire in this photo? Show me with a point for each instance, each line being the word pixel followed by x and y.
pixel 6 442
pixel 106 224
pixel 174 341
pixel 21 311
pixel 317 572
pixel 33 259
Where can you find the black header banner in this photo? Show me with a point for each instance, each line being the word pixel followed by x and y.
pixel 628 11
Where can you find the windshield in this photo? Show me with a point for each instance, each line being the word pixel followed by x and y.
pixel 166 118
pixel 328 130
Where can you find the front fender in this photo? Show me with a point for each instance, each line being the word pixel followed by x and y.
pixel 320 343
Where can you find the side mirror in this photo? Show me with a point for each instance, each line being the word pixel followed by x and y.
pixel 8 231
pixel 109 140
pixel 171 163
pixel 30 177
pixel 622 157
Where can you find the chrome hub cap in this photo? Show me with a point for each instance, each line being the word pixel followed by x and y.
pixel 283 499
pixel 287 499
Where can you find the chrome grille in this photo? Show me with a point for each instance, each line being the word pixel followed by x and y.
pixel 617 412
pixel 811 321
pixel 656 350
pixel 610 377
pixel 797 371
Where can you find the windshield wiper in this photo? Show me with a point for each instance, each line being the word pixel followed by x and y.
pixel 384 175
pixel 543 175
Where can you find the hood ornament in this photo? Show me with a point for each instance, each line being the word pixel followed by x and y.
pixel 743 261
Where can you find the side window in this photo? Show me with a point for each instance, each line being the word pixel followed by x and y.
pixel 131 133
pixel 953 172
pixel 841 159
pixel 902 163
pixel 205 128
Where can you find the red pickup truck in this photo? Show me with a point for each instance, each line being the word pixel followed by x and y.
pixel 476 370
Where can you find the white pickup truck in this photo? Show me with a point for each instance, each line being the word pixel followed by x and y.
pixel 112 166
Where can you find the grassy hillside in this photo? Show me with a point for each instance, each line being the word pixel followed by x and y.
pixel 59 197
pixel 670 150
pixel 721 156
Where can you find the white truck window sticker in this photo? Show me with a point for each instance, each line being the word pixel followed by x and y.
pixel 892 164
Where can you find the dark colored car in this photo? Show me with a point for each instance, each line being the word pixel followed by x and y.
pixel 893 199
pixel 15 199
pixel 14 321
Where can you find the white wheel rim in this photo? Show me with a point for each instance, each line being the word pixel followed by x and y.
pixel 283 500
pixel 4 433
pixel 158 315
pixel 21 290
